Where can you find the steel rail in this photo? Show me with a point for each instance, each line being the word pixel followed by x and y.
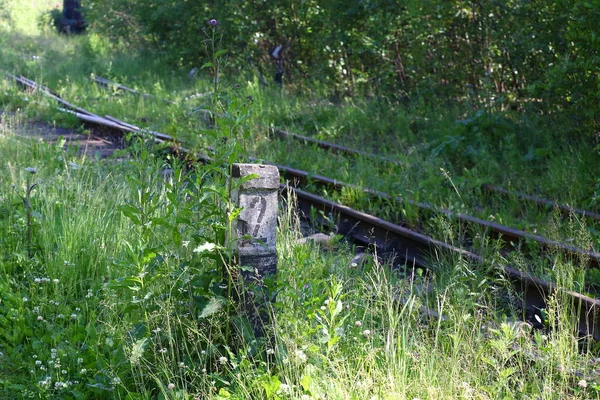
pixel 34 86
pixel 417 249
pixel 542 203
pixel 496 231
pixel 335 148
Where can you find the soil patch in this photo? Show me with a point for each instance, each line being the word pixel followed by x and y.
pixel 94 144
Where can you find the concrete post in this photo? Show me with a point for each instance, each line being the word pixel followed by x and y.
pixel 256 230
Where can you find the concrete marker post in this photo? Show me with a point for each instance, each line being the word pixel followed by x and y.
pixel 255 233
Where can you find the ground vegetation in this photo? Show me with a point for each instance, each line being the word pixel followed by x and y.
pixel 111 271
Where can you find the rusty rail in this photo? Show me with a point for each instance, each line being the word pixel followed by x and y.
pixel 416 249
pixel 542 203
pixel 335 148
pixel 507 234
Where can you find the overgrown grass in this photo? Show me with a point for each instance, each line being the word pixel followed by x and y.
pixel 120 304
pixel 341 331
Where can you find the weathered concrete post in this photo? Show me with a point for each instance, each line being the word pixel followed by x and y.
pixel 256 230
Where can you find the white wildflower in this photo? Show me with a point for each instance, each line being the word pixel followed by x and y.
pixel 301 356
pixel 284 388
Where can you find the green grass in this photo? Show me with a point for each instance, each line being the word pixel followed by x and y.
pixel 339 331
pixel 120 301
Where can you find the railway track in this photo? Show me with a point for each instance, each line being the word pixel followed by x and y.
pixel 413 248
pixel 486 188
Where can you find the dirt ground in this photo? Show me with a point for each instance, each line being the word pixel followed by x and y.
pixel 94 143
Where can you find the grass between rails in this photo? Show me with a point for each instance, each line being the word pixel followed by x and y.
pixel 68 331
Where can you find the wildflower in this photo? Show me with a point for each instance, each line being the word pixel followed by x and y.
pixel 213 22
pixel 37 280
pixel 64 372
pixel 284 388
pixel 79 360
pixel 25 299
pixel 323 308
pixel 366 333
pixel 223 360
pixel 116 380
pixel 301 356
pixel 305 397
pixel 73 316
pixel 31 170
pixel 60 316
pixel 582 383
pixel 270 351
pixel 162 351
pixel 40 318
pixel 38 362
pixel 358 324
pixel 171 386
pixel 83 371
pixel 55 280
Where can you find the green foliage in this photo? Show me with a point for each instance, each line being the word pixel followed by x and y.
pixel 513 54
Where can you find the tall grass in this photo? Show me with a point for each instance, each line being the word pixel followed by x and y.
pixel 126 309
